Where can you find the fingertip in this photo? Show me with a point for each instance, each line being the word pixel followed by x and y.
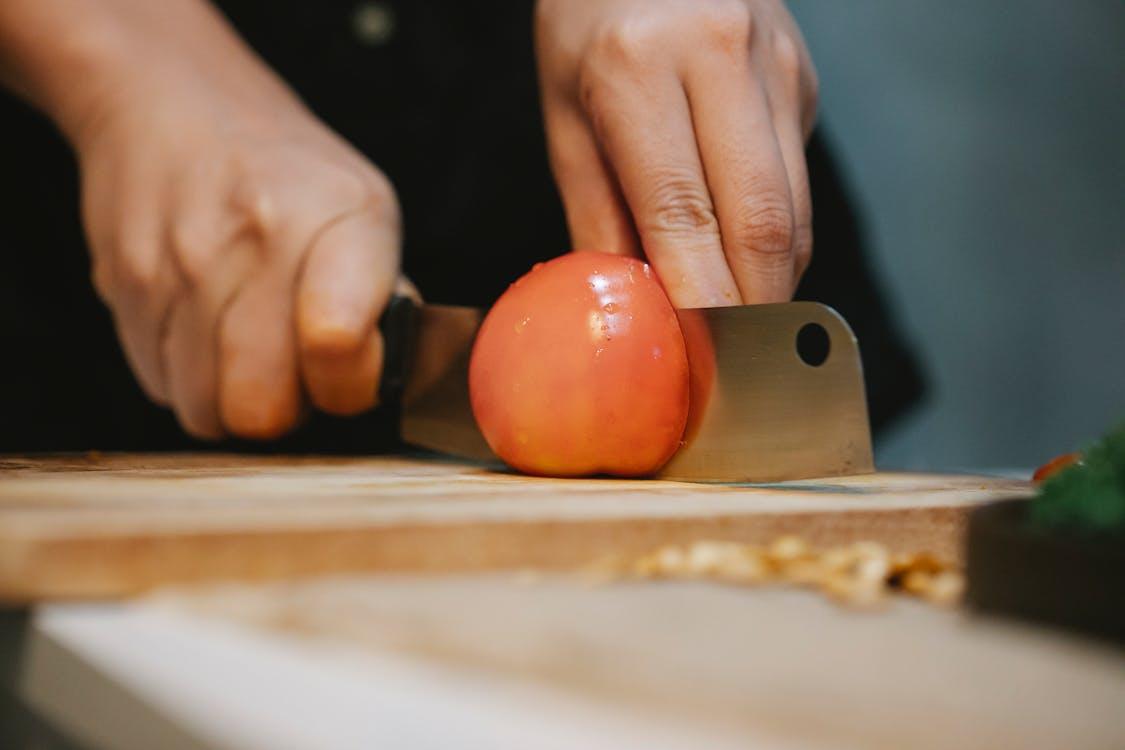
pixel 261 417
pixel 259 392
pixel 256 404
pixel 345 383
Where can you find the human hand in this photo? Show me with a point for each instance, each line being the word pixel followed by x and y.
pixel 676 128
pixel 245 251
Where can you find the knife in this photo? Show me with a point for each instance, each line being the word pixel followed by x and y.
pixel 776 390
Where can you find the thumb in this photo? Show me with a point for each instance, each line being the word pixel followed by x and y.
pixel 348 276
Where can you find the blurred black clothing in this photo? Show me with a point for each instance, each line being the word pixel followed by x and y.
pixel 445 103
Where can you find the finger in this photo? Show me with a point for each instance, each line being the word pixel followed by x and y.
pixel 190 343
pixel 661 177
pixel 141 309
pixel 259 393
pixel 746 173
pixel 596 214
pixel 785 93
pixel 189 361
pixel 793 153
pixel 137 282
pixel 141 320
pixel 349 273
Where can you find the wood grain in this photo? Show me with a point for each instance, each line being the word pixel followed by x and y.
pixel 750 661
pixel 106 526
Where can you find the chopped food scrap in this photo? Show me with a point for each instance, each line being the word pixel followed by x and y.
pixel 862 574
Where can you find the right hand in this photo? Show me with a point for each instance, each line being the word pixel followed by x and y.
pixel 245 251
pixel 677 128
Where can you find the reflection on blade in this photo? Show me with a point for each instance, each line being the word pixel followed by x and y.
pixel 760 413
pixel 436 412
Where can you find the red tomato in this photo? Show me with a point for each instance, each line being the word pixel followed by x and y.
pixel 580 368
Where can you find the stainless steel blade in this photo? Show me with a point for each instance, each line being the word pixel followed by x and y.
pixel 436 411
pixel 759 412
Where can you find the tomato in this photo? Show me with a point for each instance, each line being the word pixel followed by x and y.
pixel 580 368
pixel 1055 465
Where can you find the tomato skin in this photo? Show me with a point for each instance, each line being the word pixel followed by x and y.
pixel 580 368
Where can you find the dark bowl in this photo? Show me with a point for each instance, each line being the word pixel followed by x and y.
pixel 1059 577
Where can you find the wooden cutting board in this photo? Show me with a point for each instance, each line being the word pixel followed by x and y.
pixel 114 525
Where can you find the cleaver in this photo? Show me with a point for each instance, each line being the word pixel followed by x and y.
pixel 776 390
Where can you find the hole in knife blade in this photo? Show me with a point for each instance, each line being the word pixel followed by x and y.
pixel 813 344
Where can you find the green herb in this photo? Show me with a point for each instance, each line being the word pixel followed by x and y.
pixel 1089 495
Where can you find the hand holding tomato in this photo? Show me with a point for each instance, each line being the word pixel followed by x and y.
pixel 677 128
pixel 580 368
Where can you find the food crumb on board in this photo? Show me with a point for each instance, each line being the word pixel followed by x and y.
pixel 862 575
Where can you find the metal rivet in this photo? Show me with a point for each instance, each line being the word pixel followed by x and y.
pixel 373 23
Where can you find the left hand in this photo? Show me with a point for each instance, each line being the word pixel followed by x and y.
pixel 677 128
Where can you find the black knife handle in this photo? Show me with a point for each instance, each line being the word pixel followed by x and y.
pixel 397 325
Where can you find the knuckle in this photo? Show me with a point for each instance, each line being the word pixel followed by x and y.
pixel 257 202
pixel 787 57
pixel 379 194
pixel 766 229
pixel 622 43
pixel 194 249
pixel 134 271
pixel 349 189
pixel 679 204
pixel 727 25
